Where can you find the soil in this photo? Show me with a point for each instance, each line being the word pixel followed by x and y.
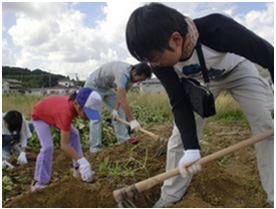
pixel 232 181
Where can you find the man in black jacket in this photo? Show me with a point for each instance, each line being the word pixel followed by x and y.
pixel 167 39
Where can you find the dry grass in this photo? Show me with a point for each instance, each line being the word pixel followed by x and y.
pixel 20 102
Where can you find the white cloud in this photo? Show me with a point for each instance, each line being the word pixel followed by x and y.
pixel 8 58
pixel 58 36
pixel 29 32
pixel 112 28
pixel 37 10
pixel 261 22
pixel 54 37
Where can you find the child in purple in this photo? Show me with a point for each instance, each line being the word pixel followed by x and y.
pixel 60 111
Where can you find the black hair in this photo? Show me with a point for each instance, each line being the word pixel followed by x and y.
pixel 73 96
pixel 150 28
pixel 143 69
pixel 14 120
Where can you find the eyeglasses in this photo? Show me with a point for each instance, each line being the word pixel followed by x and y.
pixel 156 61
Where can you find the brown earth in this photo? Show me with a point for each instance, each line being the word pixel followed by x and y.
pixel 232 181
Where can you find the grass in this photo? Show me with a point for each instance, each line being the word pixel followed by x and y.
pixel 156 108
pixel 228 110
pixel 20 102
pixel 148 108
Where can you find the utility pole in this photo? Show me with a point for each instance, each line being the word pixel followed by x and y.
pixel 50 79
pixel 77 79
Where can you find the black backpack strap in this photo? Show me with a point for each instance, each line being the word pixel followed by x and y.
pixel 202 63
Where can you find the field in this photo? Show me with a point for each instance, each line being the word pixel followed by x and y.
pixel 232 181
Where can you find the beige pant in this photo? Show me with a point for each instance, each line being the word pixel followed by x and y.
pixel 255 98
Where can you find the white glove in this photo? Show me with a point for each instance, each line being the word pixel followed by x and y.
pixel 134 125
pixel 7 164
pixel 189 156
pixel 114 114
pixel 22 159
pixel 85 170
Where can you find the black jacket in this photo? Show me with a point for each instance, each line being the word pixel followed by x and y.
pixel 222 34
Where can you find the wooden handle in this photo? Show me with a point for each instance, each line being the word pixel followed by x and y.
pixel 144 185
pixel 152 135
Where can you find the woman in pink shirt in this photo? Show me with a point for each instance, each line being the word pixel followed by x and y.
pixel 60 111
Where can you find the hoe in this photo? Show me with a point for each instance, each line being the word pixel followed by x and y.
pixel 163 142
pixel 122 195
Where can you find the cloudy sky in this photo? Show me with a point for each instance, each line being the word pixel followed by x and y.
pixel 70 38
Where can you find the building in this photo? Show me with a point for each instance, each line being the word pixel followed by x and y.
pixel 11 85
pixel 61 89
pixel 64 87
pixel 152 85
pixel 66 82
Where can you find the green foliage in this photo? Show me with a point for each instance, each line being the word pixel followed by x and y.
pixel 31 79
pixel 108 135
pixel 103 167
pixel 223 161
pixel 128 167
pixel 83 127
pixel 34 144
pixel 9 185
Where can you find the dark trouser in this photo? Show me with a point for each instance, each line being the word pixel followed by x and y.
pixel 8 141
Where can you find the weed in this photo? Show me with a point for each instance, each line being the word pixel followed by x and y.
pixel 223 161
pixel 128 167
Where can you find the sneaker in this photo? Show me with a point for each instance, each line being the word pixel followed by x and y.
pixel 161 203
pixel 76 172
pixel 133 141
pixel 94 151
pixel 37 185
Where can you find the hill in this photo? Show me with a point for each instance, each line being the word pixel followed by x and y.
pixel 32 79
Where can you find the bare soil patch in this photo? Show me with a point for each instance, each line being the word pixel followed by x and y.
pixel 232 181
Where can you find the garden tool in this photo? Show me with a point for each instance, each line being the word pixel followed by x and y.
pixel 163 142
pixel 122 195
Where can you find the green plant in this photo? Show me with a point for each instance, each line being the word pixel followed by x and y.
pixel 103 167
pixel 222 161
pixel 129 167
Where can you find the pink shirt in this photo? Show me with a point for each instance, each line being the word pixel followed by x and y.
pixel 55 110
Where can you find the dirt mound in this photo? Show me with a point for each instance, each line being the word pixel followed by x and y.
pixel 231 181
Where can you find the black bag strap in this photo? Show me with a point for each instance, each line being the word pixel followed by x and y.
pixel 202 63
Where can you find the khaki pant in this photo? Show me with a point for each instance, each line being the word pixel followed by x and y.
pixel 255 98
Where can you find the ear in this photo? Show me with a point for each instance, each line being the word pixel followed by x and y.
pixel 175 40
pixel 75 103
pixel 133 72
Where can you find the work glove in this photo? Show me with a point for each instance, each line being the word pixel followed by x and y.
pixel 189 156
pixel 114 114
pixel 85 170
pixel 5 155
pixel 134 125
pixel 7 164
pixel 22 159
